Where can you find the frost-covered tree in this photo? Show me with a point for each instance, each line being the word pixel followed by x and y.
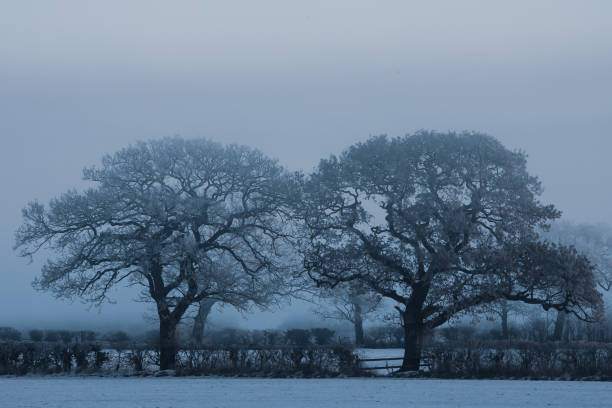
pixel 503 309
pixel 228 285
pixel 162 214
pixel 440 224
pixel 199 321
pixel 351 302
pixel 595 241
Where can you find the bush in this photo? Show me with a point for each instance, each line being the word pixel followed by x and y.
pixel 458 333
pixel 151 339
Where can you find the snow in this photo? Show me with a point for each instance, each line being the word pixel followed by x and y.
pixel 198 392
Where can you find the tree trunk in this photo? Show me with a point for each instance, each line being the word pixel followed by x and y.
pixel 358 323
pixel 559 325
pixel 504 320
pixel 413 339
pixel 167 342
pixel 199 324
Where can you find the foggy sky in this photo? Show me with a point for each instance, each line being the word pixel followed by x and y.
pixel 299 80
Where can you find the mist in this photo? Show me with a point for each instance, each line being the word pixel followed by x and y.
pixel 79 79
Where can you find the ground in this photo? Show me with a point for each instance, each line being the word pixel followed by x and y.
pixel 190 392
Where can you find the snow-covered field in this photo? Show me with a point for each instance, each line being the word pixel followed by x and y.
pixel 135 392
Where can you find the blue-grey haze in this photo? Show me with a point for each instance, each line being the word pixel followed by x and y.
pixel 299 80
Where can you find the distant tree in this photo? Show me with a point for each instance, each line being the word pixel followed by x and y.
pixel 9 334
pixel 350 302
pixel 389 335
pixel 298 337
pixel 199 321
pixel 232 287
pixel 441 224
pixel 503 309
pixel 151 338
pixel 52 336
pixel 158 215
pixel 322 336
pixel 65 335
pixel 229 336
pixel 117 337
pixel 36 335
pixel 272 337
pixel 86 336
pixel 595 241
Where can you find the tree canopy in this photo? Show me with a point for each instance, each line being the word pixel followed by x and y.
pixel 440 224
pixel 185 219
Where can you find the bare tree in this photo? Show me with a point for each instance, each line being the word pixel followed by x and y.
pixel 227 284
pixel 351 302
pixel 595 241
pixel 440 224
pixel 158 215
pixel 199 321
pixel 503 309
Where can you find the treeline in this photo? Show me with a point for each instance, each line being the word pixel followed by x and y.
pixel 535 328
pixel 65 336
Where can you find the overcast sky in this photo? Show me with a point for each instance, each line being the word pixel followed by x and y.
pixel 299 80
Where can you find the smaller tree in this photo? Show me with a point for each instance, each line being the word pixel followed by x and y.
pixel 595 242
pixel 350 302
pixel 503 310
pixel 199 321
pixel 118 337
